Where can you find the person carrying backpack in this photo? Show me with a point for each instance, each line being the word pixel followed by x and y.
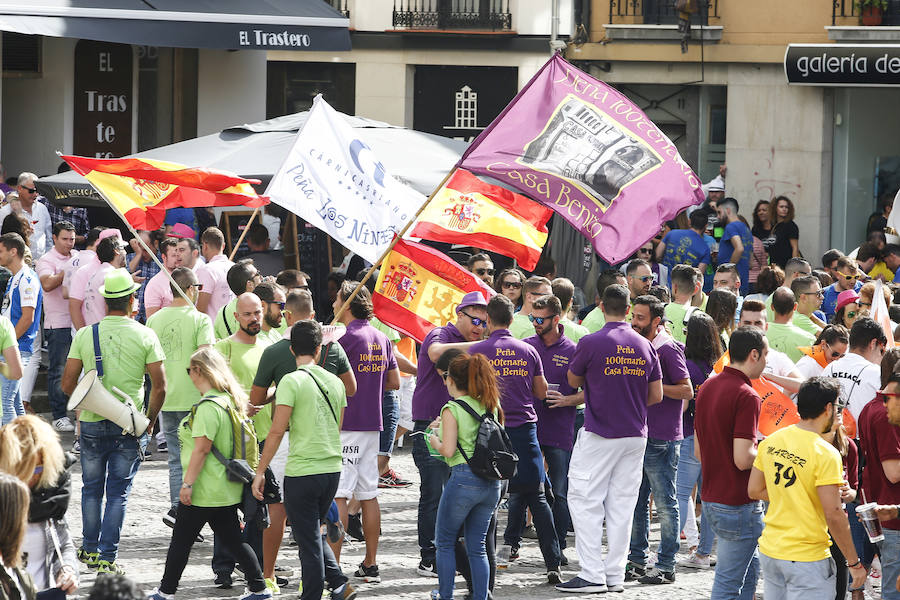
pixel 468 500
pixel 208 494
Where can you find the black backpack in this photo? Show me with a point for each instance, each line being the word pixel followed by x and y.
pixel 493 457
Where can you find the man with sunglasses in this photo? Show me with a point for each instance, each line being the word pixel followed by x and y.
pixel 158 292
pixel 273 298
pixel 535 287
pixel 481 265
pixel 639 276
pixel 181 330
pixel 809 295
pixel 428 398
pixel 36 213
pixel 846 278
pixel 880 445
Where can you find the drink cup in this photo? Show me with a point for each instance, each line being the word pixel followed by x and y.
pixel 870 521
pixel 503 553
pixel 551 387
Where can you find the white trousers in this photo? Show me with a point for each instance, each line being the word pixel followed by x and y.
pixel 604 481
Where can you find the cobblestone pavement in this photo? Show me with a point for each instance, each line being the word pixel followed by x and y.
pixel 145 540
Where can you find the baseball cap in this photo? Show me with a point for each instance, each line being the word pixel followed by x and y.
pixel 180 230
pixel 472 299
pixel 106 233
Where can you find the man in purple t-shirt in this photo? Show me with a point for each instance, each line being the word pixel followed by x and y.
pixel 520 376
pixel 372 359
pixel 620 374
pixel 661 455
pixel 555 413
pixel 428 398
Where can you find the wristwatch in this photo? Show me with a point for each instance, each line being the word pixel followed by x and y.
pixel 187 486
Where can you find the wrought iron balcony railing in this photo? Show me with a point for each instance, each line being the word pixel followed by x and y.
pixel 663 12
pixel 849 8
pixel 490 15
pixel 340 6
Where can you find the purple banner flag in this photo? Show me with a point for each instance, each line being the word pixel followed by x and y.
pixel 578 146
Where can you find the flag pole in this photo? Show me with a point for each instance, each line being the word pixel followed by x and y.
pixel 391 247
pixel 243 234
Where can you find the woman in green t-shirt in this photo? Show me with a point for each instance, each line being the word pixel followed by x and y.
pixel 207 496
pixel 468 501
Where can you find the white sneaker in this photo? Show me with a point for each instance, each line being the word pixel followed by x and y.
pixel 63 424
pixel 695 561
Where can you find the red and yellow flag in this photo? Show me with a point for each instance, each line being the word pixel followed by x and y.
pixel 142 189
pixel 469 211
pixel 419 288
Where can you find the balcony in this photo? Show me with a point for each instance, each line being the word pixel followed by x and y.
pixel 847 23
pixel 657 20
pixel 453 15
pixel 340 6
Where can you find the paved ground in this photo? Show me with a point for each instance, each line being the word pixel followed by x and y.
pixel 145 540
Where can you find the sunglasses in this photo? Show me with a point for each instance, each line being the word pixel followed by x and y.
pixel 30 190
pixel 645 250
pixel 445 375
pixel 188 370
pixel 199 286
pixel 475 321
pixel 885 396
pixel 869 304
pixel 643 279
pixel 538 320
pixel 849 277
pixel 512 285
pixel 484 271
pixel 303 287
pixel 280 305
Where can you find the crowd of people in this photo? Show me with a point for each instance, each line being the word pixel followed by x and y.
pixel 644 400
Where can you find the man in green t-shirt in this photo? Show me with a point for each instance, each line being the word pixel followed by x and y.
pixel 564 290
pixel 109 458
pixel 278 361
pixel 182 330
pixel 782 334
pixel 534 288
pixel 242 277
pixel 243 351
pixel 312 402
pixel 686 281
pixel 809 295
pixel 594 321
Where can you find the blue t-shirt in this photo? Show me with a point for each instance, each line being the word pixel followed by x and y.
pixel 181 215
pixel 685 247
pixel 24 289
pixel 726 249
pixel 829 304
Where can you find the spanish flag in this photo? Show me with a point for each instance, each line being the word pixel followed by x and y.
pixel 142 189
pixel 471 212
pixel 419 288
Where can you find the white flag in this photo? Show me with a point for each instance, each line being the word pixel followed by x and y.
pixel 333 180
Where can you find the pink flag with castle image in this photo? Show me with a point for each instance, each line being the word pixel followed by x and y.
pixel 580 147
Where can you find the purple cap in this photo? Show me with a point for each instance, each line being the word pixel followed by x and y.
pixel 844 298
pixel 472 299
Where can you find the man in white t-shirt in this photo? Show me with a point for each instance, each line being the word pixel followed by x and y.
pixel 858 371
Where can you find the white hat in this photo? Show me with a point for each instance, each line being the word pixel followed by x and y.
pixel 717 184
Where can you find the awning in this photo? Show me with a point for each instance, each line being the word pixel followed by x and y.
pixel 224 24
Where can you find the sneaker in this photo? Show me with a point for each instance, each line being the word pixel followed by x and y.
pixel 91 559
pixel 354 528
pixel 656 577
pixel 580 586
pixel 553 577
pixel 76 447
pixel 223 581
pixel 281 569
pixel 427 568
pixel 169 517
pixel 368 574
pixel 615 587
pixel 63 424
pixel 162 446
pixel 158 595
pixel 513 553
pixel 273 586
pixel 109 566
pixel 695 561
pixel 529 533
pixel 334 531
pixel 391 480
pixel 345 592
pixel 281 581
pixel 634 570
pixel 260 595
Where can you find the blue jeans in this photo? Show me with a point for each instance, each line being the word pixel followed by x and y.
pixel 738 529
pixel 687 477
pixel 558 471
pixel 660 463
pixel 58 343
pixel 390 415
pixel 433 473
pixel 109 462
pixel 171 419
pixel 468 502
pixel 12 400
pixel 890 564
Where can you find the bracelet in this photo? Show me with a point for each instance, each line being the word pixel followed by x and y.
pixel 187 486
pixel 856 564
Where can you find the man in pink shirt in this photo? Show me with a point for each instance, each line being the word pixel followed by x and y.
pixel 158 293
pixel 88 263
pixel 213 275
pixel 111 252
pixel 52 269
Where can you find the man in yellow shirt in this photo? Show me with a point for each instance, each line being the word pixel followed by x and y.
pixel 802 477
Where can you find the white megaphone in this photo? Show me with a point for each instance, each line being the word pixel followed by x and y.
pixel 90 395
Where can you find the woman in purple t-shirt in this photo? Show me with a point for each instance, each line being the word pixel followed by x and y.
pixel 702 349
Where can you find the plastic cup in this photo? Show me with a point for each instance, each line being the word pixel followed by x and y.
pixel 869 520
pixel 503 553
